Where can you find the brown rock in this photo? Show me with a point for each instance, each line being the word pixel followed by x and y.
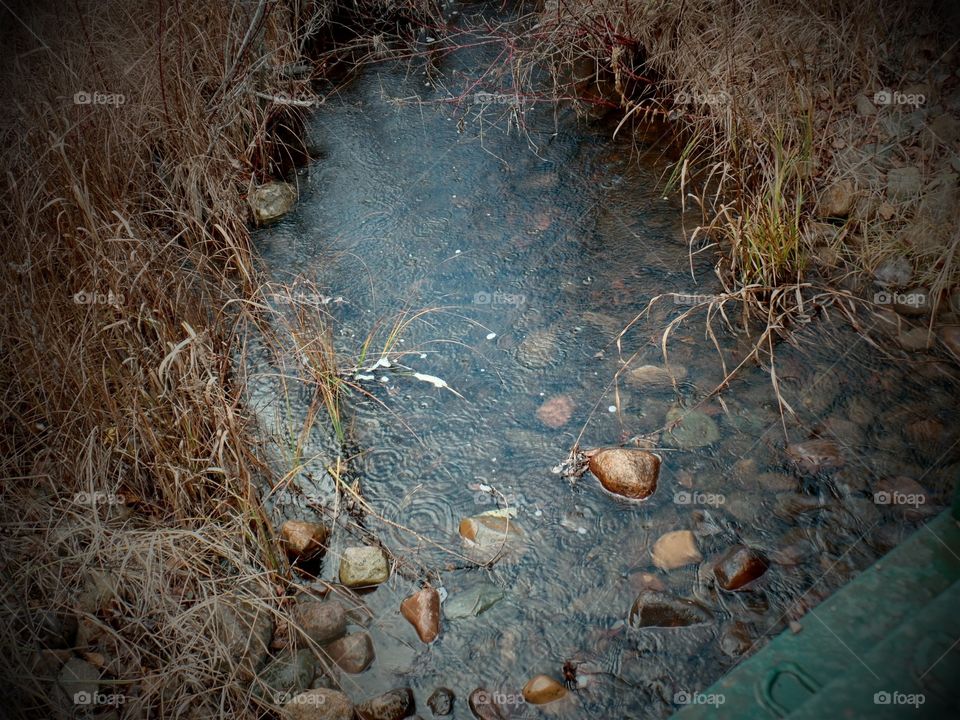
pixel 915 339
pixel 739 566
pixel 675 549
pixel 319 704
pixel 556 412
pixel 440 701
pixel 303 540
pixel 647 376
pixel 393 705
pixel 816 455
pixel 353 653
pixel 629 473
pixel 735 639
pixel 477 528
pixel 950 337
pixel 659 609
pixel 542 689
pixel 422 610
pixel 321 620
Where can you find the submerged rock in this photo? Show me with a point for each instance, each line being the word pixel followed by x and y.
pixel 363 567
pixel 739 566
pixel 491 535
pixel 353 653
pixel 392 705
pixel 319 704
pixel 690 429
pixel 472 602
pixel 631 474
pixel 675 549
pixel 440 701
pixel 422 610
pixel 290 673
pixel 303 540
pixel 659 609
pixel 654 376
pixel 271 200
pixel 816 455
pixel 543 689
pixel 538 349
pixel 556 412
pixel 735 639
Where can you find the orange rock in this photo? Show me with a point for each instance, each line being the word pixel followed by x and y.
pixel 629 473
pixel 422 610
pixel 542 689
pixel 303 540
pixel 675 549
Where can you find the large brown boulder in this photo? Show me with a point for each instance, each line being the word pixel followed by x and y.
pixel 631 474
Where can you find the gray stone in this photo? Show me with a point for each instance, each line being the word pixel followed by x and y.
pixel 392 705
pixel 272 200
pixel 473 601
pixel 690 429
pixel 363 567
pixel 352 653
pixel 321 620
pixel 289 674
pixel 864 105
pixel 659 609
pixel 244 629
pixel 838 199
pixel 895 272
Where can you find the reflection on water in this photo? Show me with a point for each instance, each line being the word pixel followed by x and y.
pixel 530 252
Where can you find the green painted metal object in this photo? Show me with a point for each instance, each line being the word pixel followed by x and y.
pixel 887 645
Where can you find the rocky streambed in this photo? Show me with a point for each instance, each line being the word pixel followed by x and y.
pixel 489 285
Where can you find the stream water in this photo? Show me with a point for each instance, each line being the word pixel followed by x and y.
pixel 504 259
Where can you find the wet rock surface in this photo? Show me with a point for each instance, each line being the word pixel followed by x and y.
pixel 352 653
pixel 631 474
pixel 675 549
pixel 303 540
pixel 441 702
pixel 739 566
pixel 472 601
pixel 543 689
pixel 321 620
pixel 422 610
pixel 272 200
pixel 653 608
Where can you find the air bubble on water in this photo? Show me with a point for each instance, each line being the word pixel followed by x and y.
pixel 612 408
pixel 491 336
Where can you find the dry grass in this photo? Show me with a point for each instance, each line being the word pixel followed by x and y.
pixel 126 270
pixel 763 96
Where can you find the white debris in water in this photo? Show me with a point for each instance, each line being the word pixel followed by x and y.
pixel 384 379
pixel 423 356
pixel 456 252
pixel 612 408
pixel 491 336
pixel 382 362
pixel 365 377
pixel 582 530
pixel 538 513
pixel 442 592
pixel 484 487
pixel 432 379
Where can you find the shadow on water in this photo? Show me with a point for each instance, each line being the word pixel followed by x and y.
pixel 530 248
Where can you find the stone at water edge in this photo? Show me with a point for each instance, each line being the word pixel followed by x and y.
pixel 950 337
pixel 353 653
pixel 303 540
pixel 363 567
pixel 631 474
pixel 659 609
pixel 393 705
pixel 271 200
pixel 319 704
pixel 321 620
pixel 289 673
pixel 675 549
pixel 422 610
pixel 739 566
pixel 543 689
pixel 440 701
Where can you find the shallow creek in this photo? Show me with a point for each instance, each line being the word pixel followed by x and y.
pixel 512 259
